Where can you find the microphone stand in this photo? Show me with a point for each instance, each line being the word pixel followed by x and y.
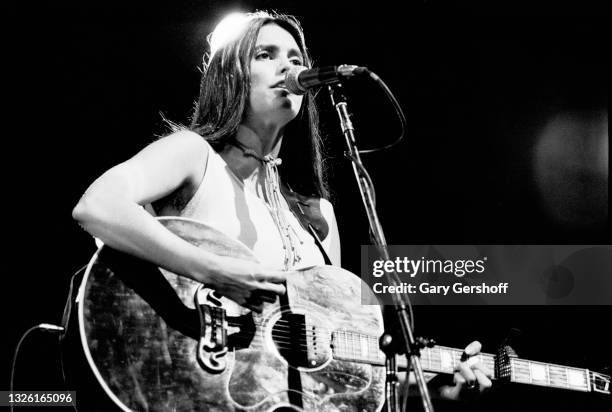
pixel 412 347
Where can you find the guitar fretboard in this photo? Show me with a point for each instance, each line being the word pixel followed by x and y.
pixel 358 347
pixel 538 373
pixel 363 348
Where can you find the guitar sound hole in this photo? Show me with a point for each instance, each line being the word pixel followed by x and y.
pixel 289 336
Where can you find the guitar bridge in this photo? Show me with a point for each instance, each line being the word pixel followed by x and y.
pixel 212 344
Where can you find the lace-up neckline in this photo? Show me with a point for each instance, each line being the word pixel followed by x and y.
pixel 273 199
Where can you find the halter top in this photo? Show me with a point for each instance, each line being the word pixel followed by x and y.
pixel 223 202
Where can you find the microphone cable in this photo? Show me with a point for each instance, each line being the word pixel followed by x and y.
pixel 396 106
pixel 42 326
pixel 48 327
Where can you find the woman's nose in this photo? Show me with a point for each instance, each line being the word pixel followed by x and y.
pixel 284 65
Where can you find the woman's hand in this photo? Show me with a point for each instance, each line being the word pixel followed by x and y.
pixel 470 375
pixel 247 283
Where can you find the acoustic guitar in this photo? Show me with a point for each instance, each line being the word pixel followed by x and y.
pixel 156 341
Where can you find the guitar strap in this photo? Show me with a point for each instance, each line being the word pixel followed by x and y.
pixel 308 213
pixel 70 299
pixel 313 232
pixel 307 210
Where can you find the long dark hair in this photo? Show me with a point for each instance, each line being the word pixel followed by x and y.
pixel 223 100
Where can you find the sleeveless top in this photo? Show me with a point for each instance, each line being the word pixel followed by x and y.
pixel 224 203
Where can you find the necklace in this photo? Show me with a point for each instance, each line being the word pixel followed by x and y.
pixel 273 199
pixel 247 151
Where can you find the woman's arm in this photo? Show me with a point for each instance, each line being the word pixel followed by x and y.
pixel 111 209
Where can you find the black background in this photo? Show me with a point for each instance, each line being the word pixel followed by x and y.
pixel 477 80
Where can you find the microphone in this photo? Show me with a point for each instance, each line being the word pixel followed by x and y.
pixel 300 78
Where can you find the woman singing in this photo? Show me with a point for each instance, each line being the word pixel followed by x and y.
pixel 249 165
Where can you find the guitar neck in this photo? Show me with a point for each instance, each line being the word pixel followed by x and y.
pixel 362 348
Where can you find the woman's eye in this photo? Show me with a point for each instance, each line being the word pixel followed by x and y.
pixel 297 62
pixel 263 55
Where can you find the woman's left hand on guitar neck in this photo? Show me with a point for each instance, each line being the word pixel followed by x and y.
pixel 470 376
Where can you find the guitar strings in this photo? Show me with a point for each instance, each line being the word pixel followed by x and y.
pixel 347 341
pixel 352 353
pixel 302 338
pixel 346 338
pixel 345 347
pixel 293 342
pixel 282 324
pixel 310 333
pixel 287 324
pixel 279 331
pixel 284 332
pixel 258 343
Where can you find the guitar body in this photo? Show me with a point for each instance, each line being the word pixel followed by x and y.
pixel 141 332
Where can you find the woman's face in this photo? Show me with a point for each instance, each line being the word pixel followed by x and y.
pixel 269 101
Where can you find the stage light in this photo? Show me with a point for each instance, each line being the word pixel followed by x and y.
pixel 227 30
pixel 571 169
